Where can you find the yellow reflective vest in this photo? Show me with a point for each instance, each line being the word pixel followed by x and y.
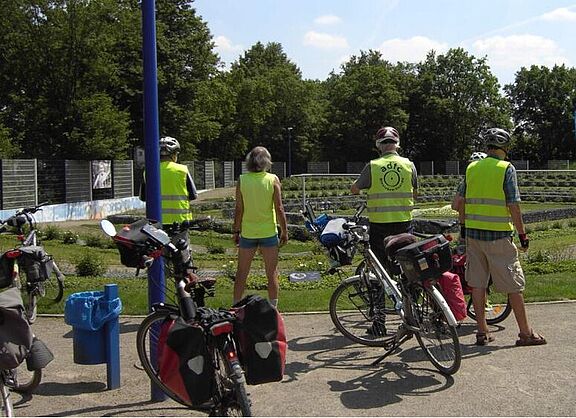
pixel 259 217
pixel 485 199
pixel 174 193
pixel 391 194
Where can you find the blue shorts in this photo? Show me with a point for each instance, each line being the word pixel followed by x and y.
pixel 258 242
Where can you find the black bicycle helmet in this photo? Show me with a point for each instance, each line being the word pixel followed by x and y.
pixel 169 146
pixel 496 137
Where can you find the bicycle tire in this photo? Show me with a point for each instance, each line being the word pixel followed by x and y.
pixel 54 286
pixel 31 305
pixel 25 380
pixel 231 384
pixel 7 407
pixel 494 312
pixel 354 312
pixel 436 336
pixel 148 334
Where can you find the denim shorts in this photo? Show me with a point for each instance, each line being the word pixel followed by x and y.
pixel 258 242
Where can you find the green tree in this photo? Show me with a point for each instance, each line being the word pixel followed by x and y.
pixel 455 96
pixel 543 102
pixel 367 94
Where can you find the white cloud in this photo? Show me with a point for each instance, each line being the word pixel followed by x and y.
pixel 562 14
pixel 412 49
pixel 515 51
pixel 223 44
pixel 325 40
pixel 327 20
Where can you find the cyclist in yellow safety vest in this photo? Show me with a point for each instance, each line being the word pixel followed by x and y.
pixel 391 182
pixel 489 201
pixel 177 187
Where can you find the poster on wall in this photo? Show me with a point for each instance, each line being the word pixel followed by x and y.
pixel 101 174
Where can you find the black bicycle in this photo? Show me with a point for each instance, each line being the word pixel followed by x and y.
pixel 140 244
pixel 43 276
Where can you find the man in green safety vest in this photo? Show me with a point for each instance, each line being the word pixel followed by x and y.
pixel 391 183
pixel 489 199
pixel 177 188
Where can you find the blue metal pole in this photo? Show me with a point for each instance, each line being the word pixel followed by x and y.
pixel 152 158
pixel 112 331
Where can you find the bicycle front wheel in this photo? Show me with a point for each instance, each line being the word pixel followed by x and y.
pixel 146 338
pixel 361 311
pixel 232 393
pixel 25 381
pixel 53 288
pixel 436 336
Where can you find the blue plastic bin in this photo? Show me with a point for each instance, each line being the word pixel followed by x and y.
pixel 88 313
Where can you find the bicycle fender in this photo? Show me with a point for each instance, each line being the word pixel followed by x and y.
pixel 445 308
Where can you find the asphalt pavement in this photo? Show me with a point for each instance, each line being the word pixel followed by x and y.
pixel 326 375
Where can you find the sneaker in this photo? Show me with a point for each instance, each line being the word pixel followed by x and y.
pixel 377 329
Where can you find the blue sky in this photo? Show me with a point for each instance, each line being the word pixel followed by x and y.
pixel 319 35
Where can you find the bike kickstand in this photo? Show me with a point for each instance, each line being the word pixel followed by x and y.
pixel 395 345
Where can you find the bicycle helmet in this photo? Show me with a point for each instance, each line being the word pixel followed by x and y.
pixel 477 156
pixel 169 146
pixel 496 137
pixel 387 134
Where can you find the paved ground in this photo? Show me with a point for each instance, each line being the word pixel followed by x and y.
pixel 326 375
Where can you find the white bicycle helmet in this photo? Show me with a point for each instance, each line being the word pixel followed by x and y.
pixel 477 156
pixel 496 137
pixel 169 146
pixel 387 134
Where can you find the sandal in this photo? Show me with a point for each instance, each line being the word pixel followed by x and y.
pixel 532 339
pixel 483 338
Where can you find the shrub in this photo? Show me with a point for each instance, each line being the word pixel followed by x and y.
pixel 70 237
pixel 99 241
pixel 51 232
pixel 90 264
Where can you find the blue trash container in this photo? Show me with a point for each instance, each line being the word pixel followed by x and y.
pixel 88 313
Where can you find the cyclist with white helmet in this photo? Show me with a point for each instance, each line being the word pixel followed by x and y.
pixel 391 183
pixel 490 203
pixel 177 187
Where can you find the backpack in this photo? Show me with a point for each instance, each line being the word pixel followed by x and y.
pixel 451 289
pixel 184 362
pixel 36 263
pixel 259 332
pixel 15 332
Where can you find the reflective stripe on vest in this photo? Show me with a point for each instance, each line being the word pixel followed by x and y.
pixel 174 193
pixel 485 199
pixel 390 196
pixel 259 217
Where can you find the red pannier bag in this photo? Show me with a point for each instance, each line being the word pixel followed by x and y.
pixel 451 289
pixel 184 363
pixel 261 339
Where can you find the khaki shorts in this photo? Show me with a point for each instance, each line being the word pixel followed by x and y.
pixel 497 258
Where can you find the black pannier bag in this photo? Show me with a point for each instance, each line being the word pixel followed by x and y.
pixel 15 332
pixel 184 362
pixel 36 264
pixel 426 259
pixel 6 271
pixel 261 339
pixel 131 243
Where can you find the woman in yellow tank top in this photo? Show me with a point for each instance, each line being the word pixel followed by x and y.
pixel 259 210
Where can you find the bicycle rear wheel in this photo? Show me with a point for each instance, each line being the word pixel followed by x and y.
pixel 494 312
pixel 232 393
pixel 30 299
pixel 436 336
pixel 361 311
pixel 147 337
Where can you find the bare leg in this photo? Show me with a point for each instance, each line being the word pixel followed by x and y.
pixel 479 301
pixel 517 302
pixel 245 256
pixel 270 255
